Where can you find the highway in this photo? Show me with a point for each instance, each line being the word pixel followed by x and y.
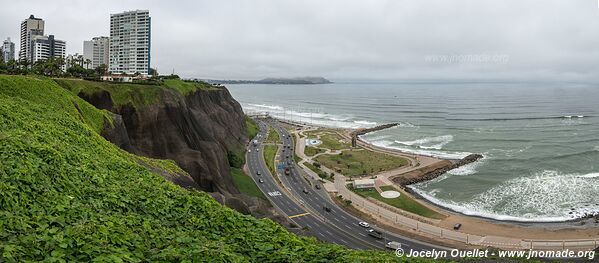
pixel 305 205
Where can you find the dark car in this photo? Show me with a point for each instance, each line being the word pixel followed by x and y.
pixel 375 234
pixel 457 226
pixel 327 209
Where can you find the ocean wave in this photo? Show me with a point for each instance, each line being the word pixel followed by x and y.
pixel 519 118
pixel 431 153
pixel 407 125
pixel 428 143
pixel 367 123
pixel 468 169
pixel 547 196
pixel 314 118
pixel 264 106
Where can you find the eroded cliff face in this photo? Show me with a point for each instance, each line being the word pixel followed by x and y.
pixel 196 130
pixel 199 131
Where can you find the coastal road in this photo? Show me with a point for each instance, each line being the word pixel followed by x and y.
pixel 317 199
pixel 293 209
pixel 307 210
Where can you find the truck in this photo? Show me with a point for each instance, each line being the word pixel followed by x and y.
pixel 393 245
pixel 287 171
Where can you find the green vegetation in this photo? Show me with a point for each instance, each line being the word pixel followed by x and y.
pixel 269 156
pixel 60 100
pixel 333 141
pixel 273 136
pixel 311 151
pixel 68 195
pixel 330 139
pixel 315 169
pixel 360 162
pixel 402 202
pixel 252 127
pixel 186 87
pixel 245 184
pixel 138 95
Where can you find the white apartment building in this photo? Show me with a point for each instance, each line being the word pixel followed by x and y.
pixel 30 28
pixel 130 42
pixel 8 50
pixel 44 47
pixel 96 50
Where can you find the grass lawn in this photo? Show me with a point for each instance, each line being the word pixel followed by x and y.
pixel 245 184
pixel 330 139
pixel 252 127
pixel 402 202
pixel 311 151
pixel 273 136
pixel 269 156
pixel 356 163
pixel 334 141
pixel 315 169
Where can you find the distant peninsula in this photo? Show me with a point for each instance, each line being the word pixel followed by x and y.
pixel 285 81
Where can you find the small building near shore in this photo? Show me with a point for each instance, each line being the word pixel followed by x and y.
pixel 364 183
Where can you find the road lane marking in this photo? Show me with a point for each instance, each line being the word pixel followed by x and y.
pixel 298 215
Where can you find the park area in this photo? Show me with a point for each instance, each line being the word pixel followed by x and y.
pixel 403 202
pixel 361 162
pixel 330 139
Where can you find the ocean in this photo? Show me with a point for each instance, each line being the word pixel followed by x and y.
pixel 540 140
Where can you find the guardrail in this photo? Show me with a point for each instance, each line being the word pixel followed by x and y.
pixel 390 216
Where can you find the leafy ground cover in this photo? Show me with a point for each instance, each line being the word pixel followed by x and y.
pixel 138 95
pixel 68 195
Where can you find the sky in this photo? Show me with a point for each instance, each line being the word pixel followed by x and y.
pixel 344 39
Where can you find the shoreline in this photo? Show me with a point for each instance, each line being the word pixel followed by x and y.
pixel 587 222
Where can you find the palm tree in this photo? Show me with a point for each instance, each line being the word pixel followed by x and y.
pixel 87 63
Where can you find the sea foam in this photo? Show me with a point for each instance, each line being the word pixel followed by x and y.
pixel 546 196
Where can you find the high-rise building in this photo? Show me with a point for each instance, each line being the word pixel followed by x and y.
pixel 44 47
pixel 97 51
pixel 130 42
pixel 8 50
pixel 30 28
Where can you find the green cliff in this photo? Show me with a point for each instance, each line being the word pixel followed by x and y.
pixel 67 194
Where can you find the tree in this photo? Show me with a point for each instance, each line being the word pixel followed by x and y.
pixel 101 70
pixel 87 62
pixel 79 71
pixel 3 68
pixel 50 67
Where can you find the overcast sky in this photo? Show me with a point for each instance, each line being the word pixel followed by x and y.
pixel 341 39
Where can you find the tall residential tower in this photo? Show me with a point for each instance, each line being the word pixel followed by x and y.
pixel 130 42
pixel 45 47
pixel 30 28
pixel 96 50
pixel 8 50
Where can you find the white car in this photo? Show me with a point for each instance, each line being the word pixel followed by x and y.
pixel 364 224
pixel 249 151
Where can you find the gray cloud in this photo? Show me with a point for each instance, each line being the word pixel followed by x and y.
pixel 542 39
